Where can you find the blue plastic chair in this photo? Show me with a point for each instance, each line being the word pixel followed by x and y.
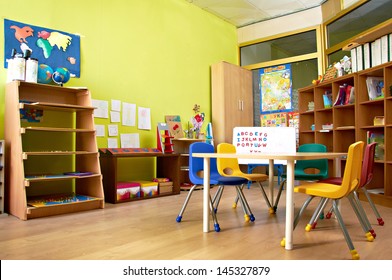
pixel 196 168
pixel 320 166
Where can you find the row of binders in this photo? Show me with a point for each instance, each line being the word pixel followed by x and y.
pixel 372 54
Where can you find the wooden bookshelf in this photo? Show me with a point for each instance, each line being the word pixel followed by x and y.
pixel 351 122
pixel 40 152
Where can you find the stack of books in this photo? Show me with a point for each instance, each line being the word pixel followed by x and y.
pixel 375 87
pixel 377 136
pixel 346 95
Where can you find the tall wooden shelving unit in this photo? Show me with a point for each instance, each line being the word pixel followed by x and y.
pixel 351 122
pixel 38 153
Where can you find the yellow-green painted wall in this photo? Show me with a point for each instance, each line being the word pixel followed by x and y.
pixel 152 53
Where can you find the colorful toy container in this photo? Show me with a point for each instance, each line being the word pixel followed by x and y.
pixel 148 188
pixel 128 190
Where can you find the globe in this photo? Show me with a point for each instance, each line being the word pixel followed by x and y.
pixel 61 75
pixel 45 73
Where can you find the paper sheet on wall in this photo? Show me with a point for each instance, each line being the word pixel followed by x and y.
pixel 100 130
pixel 144 118
pixel 101 110
pixel 116 105
pixel 130 140
pixel 115 117
pixel 113 130
pixel 129 114
pixel 112 143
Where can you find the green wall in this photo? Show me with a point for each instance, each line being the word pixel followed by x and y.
pixel 152 53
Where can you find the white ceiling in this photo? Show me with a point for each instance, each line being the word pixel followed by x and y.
pixel 244 12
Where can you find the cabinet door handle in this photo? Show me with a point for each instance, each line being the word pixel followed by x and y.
pixel 242 105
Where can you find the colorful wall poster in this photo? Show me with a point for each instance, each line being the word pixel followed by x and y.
pixel 51 47
pixel 273 120
pixel 275 89
pixel 175 126
pixel 293 121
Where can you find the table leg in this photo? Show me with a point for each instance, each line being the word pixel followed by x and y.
pixel 271 180
pixel 289 205
pixel 206 195
pixel 337 164
pixel 338 167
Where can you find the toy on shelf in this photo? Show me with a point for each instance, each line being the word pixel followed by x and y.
pixel 164 140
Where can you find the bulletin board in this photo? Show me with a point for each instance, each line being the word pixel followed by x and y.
pixel 51 47
pixel 264 140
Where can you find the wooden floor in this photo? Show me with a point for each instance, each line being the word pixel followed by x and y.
pixel 148 230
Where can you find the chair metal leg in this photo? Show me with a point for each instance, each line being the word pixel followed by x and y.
pixel 234 206
pixel 275 207
pixel 350 244
pixel 320 208
pixel 301 211
pixel 214 218
pixel 373 206
pixel 245 206
pixel 271 210
pixel 179 217
pixel 361 215
pixel 217 197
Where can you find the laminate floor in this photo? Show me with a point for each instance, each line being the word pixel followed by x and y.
pixel 147 230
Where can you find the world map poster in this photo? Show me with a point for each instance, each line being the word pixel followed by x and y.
pixel 51 47
pixel 275 89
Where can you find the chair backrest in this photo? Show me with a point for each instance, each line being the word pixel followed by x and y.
pixel 319 165
pixel 352 170
pixel 368 164
pixel 196 165
pixel 227 166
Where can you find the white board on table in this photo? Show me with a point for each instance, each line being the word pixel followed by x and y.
pixel 264 140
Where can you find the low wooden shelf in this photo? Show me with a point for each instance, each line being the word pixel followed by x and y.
pixel 167 165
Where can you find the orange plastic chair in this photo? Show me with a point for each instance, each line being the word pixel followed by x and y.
pixel 350 183
pixel 229 167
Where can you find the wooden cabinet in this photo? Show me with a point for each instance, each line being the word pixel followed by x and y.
pixel 1 176
pixel 181 147
pixel 51 151
pixel 232 100
pixel 167 165
pixel 352 122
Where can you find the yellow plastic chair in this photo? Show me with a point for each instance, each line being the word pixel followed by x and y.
pixel 366 177
pixel 350 182
pixel 229 167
